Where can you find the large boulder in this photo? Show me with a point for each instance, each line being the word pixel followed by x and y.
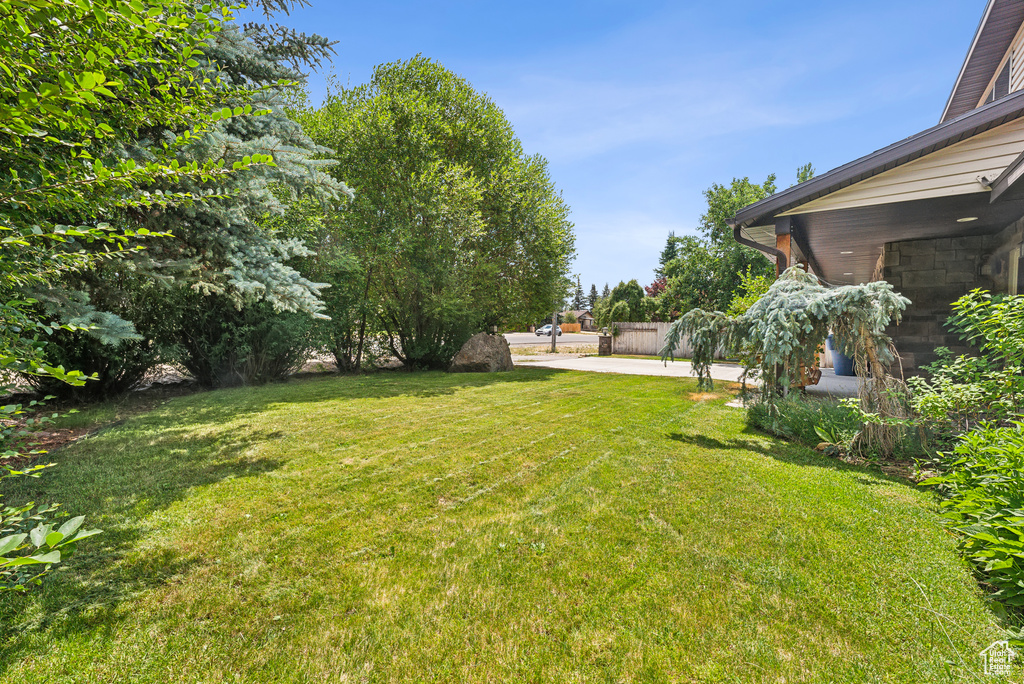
pixel 483 353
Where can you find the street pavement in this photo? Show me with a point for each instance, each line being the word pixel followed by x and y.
pixel 532 339
pixel 829 385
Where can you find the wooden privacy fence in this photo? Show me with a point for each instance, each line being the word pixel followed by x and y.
pixel 570 327
pixel 647 339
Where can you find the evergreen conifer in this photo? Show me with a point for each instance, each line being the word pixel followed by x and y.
pixel 222 257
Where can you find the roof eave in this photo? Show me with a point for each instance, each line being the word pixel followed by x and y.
pixel 938 137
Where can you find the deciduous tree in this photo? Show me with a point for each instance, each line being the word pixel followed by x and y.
pixel 453 226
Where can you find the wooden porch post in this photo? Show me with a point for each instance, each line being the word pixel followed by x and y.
pixel 783 226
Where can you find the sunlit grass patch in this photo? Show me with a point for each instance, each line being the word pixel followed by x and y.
pixel 529 526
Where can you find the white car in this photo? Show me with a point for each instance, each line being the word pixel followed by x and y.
pixel 546 330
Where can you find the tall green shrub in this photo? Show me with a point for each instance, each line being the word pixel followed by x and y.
pixel 960 392
pixel 222 345
pixel 974 402
pixel 83 82
pixel 454 228
pixel 982 486
pixel 626 303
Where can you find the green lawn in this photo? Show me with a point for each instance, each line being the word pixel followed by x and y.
pixel 538 526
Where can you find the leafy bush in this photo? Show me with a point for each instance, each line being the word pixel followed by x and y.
pixel 960 392
pixel 804 420
pixel 222 346
pixel 995 324
pixel 755 285
pixel 982 483
pixel 113 368
pixel 30 541
pixel 117 359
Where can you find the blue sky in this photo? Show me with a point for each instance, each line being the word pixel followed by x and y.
pixel 639 106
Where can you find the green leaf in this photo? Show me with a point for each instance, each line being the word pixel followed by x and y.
pixel 8 544
pixel 18 562
pixel 85 535
pixel 38 534
pixel 49 558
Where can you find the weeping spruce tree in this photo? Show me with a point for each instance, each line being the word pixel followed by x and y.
pixel 778 337
pixel 220 294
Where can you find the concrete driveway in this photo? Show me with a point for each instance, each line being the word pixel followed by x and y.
pixel 532 339
pixel 607 364
pixel 830 384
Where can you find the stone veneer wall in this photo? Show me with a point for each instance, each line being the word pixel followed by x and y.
pixel 935 273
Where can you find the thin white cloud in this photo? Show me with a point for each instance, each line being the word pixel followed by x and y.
pixel 572 120
pixel 665 82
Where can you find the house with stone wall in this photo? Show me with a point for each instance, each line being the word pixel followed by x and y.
pixel 937 214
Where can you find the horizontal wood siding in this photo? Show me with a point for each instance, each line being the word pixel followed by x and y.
pixel 1017 63
pixel 952 170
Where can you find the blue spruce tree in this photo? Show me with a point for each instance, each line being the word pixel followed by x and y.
pixel 221 293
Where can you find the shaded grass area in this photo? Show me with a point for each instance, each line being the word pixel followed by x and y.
pixel 531 526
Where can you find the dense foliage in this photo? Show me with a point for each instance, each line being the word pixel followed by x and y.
pixel 217 253
pixel 982 486
pixel 453 227
pixel 87 84
pixel 959 392
pixel 83 82
pixel 778 337
pixel 692 279
pixel 970 406
pixel 705 272
pixel 626 303
pixel 753 286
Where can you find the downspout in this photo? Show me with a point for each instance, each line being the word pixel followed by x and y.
pixel 779 255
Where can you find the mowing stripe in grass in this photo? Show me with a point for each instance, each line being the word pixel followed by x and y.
pixel 532 526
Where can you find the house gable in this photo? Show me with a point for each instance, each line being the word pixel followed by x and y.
pixel 991 70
